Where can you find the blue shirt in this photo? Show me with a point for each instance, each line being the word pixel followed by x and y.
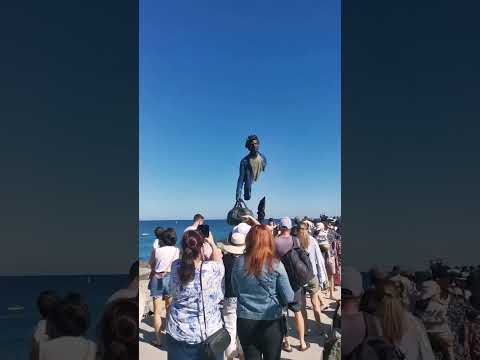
pixel 185 319
pixel 245 176
pixel 261 303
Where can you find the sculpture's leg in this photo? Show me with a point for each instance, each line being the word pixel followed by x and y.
pixel 247 191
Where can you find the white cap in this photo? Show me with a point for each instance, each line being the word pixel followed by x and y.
pixel 352 281
pixel 286 222
pixel 242 228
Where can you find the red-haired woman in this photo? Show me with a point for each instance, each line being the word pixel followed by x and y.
pixel 261 285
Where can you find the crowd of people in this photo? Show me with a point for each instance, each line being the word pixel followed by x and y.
pixel 243 287
pixel 423 315
pixel 61 332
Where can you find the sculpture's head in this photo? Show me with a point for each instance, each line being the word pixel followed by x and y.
pixel 252 143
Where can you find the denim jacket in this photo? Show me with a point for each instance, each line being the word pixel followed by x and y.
pixel 245 177
pixel 253 300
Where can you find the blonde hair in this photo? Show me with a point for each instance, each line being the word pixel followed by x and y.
pixel 392 312
pixel 303 236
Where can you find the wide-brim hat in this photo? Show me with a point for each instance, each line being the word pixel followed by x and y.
pixel 235 244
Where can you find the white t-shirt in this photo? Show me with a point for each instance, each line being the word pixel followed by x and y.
pixel 155 244
pixel 435 316
pixel 77 348
pixel 415 344
pixel 191 227
pixel 40 332
pixel 164 257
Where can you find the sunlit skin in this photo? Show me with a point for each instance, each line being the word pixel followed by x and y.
pixel 253 147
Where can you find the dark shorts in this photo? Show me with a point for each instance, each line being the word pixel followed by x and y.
pixel 296 305
pixel 179 350
pixel 159 288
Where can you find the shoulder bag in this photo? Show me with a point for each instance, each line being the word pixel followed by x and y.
pixel 220 339
pixel 283 319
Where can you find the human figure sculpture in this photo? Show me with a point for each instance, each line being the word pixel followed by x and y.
pixel 251 167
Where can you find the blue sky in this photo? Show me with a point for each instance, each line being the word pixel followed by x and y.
pixel 214 72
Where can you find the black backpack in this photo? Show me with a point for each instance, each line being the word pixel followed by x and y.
pixel 374 348
pixel 298 266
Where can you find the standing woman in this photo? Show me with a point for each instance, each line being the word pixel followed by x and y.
pixel 161 261
pixel 262 288
pixel 400 327
pixel 330 265
pixel 310 245
pixel 234 248
pixel 186 327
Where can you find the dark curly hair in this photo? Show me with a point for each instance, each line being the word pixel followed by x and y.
pixel 118 331
pixel 250 139
pixel 169 237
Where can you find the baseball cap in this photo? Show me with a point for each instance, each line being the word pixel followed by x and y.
pixel 352 284
pixel 286 222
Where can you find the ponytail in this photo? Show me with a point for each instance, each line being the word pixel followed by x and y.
pixel 392 311
pixel 192 243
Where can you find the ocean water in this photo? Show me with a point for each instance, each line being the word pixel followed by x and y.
pixel 219 229
pixel 21 292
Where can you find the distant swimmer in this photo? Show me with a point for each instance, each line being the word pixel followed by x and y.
pixel 251 166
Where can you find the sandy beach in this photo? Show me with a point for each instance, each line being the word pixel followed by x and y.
pixel 150 352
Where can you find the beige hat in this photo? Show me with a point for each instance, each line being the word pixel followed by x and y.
pixel 235 244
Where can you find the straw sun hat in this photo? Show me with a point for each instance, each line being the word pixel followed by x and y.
pixel 236 241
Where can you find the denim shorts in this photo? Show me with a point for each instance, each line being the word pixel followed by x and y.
pixel 159 288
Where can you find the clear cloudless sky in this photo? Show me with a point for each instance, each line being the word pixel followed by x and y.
pixel 214 72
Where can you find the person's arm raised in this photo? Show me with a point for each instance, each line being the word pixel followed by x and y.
pixel 216 252
pixel 251 220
